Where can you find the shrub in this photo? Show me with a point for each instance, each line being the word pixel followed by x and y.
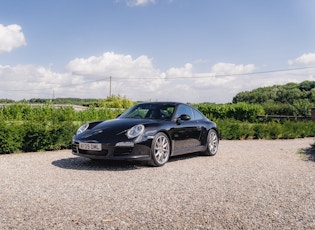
pixel 274 130
pixel 279 109
pixel 231 129
pixel 60 135
pixel 35 137
pixel 260 131
pixel 39 136
pixel 115 102
pixel 240 111
pixel 10 138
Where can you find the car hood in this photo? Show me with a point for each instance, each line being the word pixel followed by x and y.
pixel 112 129
pixel 120 124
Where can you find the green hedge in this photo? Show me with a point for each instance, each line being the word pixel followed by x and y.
pixel 27 129
pixel 47 113
pixel 35 136
pixel 240 111
pixel 231 129
pixel 10 137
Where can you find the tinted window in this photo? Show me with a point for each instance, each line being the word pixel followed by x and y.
pixel 184 109
pixel 150 111
pixel 198 115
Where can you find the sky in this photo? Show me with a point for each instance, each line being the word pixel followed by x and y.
pixel 153 50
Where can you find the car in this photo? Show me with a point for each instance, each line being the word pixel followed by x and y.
pixel 149 131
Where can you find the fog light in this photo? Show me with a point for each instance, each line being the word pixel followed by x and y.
pixel 125 144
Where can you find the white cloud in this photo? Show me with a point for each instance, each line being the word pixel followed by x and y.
pixel 28 81
pixel 185 71
pixel 229 68
pixel 133 77
pixel 221 74
pixel 11 37
pixel 138 79
pixel 111 64
pixel 139 2
pixel 306 59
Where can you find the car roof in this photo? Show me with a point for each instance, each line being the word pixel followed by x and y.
pixel 162 102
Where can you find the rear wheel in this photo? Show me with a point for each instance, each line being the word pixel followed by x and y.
pixel 160 149
pixel 212 143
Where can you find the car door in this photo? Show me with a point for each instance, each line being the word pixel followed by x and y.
pixel 186 133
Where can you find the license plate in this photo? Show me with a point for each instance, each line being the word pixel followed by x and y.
pixel 90 146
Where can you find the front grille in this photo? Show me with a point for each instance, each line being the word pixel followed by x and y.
pixel 122 151
pixel 104 152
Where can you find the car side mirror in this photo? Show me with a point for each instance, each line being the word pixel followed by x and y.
pixel 118 115
pixel 183 117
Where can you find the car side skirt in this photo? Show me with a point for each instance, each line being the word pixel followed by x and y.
pixel 200 148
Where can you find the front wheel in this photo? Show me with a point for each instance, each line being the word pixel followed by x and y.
pixel 212 143
pixel 160 149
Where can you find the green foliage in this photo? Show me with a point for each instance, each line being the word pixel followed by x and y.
pixel 4 101
pixel 45 112
pixel 60 135
pixel 272 108
pixel 27 128
pixel 35 137
pixel 289 99
pixel 115 102
pixel 96 114
pixel 231 129
pixel 303 107
pixel 10 137
pixel 298 129
pixel 48 113
pixel 239 111
pixel 32 136
pixel 63 101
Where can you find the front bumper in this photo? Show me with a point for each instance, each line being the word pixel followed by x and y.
pixel 139 151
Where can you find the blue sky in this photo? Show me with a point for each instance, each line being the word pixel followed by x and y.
pixel 183 50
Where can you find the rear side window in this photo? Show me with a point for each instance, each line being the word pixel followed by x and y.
pixel 184 109
pixel 198 115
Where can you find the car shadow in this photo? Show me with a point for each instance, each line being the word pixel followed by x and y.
pixel 309 153
pixel 81 163
pixel 184 157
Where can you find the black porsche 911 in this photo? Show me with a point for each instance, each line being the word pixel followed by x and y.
pixel 151 132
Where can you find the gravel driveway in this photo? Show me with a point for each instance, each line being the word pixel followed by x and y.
pixel 253 184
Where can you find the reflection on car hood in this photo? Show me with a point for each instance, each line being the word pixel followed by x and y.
pixel 120 124
pixel 111 128
pixel 123 124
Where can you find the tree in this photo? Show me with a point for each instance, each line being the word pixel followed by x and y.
pixel 115 102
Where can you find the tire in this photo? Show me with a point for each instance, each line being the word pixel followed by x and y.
pixel 212 143
pixel 160 150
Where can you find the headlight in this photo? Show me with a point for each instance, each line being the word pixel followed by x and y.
pixel 135 131
pixel 82 128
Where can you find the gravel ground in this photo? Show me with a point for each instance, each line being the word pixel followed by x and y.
pixel 256 184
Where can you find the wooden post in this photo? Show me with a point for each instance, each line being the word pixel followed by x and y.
pixel 313 114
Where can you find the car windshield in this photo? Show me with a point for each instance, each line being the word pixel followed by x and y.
pixel 150 111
